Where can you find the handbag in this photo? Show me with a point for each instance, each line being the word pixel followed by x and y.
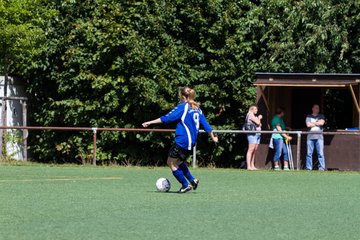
pixel 249 126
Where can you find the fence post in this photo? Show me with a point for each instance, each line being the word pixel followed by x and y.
pixel 94 146
pixel 24 131
pixel 298 151
pixel 3 131
pixel 194 157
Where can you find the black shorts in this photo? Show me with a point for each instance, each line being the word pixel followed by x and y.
pixel 179 152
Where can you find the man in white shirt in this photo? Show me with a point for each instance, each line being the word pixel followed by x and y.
pixel 315 123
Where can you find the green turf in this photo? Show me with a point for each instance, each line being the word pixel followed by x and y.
pixel 74 202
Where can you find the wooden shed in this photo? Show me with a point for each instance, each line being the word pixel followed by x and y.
pixel 339 98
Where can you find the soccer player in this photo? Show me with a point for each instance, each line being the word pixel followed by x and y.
pixel 189 117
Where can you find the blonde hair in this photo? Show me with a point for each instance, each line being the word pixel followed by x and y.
pixel 189 94
pixel 251 108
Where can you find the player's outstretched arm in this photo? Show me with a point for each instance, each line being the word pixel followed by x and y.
pixel 214 137
pixel 155 121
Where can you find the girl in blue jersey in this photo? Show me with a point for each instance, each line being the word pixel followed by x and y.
pixel 189 117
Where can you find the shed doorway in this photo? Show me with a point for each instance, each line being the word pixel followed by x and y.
pixel 338 109
pixel 302 101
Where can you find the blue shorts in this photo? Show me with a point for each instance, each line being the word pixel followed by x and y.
pixel 254 138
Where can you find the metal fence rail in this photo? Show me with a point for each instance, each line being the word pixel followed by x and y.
pixel 95 130
pixel 297 133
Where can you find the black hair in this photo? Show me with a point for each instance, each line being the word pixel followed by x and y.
pixel 280 110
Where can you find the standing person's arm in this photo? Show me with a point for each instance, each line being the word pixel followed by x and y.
pixel 317 123
pixel 256 120
pixel 321 121
pixel 278 127
pixel 308 122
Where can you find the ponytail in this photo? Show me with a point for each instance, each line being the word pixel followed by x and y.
pixel 191 99
pixel 189 94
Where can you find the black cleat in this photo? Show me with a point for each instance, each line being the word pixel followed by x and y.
pixel 195 183
pixel 184 190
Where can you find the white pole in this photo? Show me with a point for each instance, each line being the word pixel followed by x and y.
pixel 25 131
pixel 194 157
pixel 298 151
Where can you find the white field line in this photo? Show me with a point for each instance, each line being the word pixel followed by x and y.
pixel 60 179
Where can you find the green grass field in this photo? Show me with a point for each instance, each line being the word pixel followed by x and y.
pixel 75 202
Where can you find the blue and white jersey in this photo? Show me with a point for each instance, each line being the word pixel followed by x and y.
pixel 188 124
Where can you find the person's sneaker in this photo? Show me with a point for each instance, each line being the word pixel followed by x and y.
pixel 276 168
pixel 184 190
pixel 286 168
pixel 195 183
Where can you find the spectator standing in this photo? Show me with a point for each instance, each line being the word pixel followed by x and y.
pixel 315 122
pixel 278 124
pixel 253 138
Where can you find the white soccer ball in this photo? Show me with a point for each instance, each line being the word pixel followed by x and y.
pixel 163 185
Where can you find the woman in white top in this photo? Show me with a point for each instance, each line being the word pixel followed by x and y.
pixel 253 138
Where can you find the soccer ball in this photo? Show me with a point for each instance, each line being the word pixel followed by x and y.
pixel 163 185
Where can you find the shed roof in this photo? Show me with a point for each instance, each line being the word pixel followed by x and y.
pixel 306 79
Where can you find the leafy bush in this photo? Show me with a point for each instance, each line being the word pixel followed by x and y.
pixel 111 63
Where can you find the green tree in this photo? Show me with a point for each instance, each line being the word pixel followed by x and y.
pixel 22 24
pixel 21 33
pixel 110 63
